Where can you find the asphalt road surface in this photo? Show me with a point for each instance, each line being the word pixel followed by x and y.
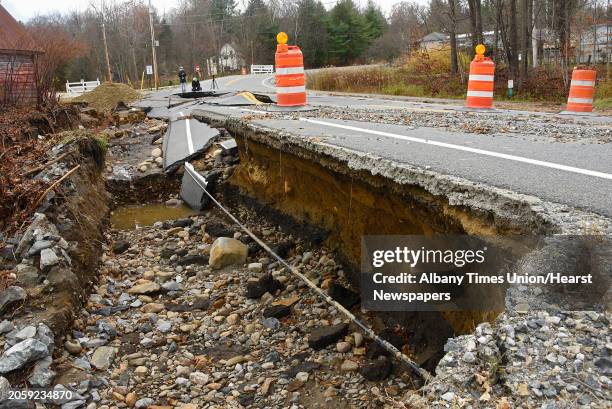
pixel 575 174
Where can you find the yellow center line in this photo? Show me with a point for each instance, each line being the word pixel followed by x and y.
pixel 230 82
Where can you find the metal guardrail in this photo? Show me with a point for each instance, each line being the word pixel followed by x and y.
pixel 77 88
pixel 262 69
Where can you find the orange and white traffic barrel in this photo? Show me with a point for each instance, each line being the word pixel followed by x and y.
pixel 582 89
pixel 290 80
pixel 481 81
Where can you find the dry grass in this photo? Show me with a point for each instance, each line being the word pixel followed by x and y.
pixel 419 75
pixel 426 74
pixel 106 96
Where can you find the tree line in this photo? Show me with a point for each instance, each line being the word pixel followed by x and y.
pixel 330 32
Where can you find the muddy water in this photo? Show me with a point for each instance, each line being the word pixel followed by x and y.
pixel 132 217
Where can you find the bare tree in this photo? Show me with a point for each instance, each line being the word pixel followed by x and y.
pixel 475 7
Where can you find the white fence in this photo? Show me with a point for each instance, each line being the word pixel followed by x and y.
pixel 78 88
pixel 262 69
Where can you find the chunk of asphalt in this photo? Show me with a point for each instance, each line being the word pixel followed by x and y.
pixel 185 139
pixel 324 336
pixel 266 284
pixel 346 297
pixel 277 311
pixel 377 370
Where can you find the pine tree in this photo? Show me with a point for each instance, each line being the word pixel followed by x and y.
pixel 312 34
pixel 347 33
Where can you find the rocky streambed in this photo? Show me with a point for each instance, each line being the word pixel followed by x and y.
pixel 184 318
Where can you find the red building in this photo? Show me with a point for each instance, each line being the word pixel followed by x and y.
pixel 18 62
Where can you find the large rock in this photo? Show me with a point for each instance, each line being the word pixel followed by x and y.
pixel 103 357
pixel 22 353
pixel 324 336
pixel 226 251
pixel 10 297
pixel 145 287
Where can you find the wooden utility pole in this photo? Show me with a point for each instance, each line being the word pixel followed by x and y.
pixel 109 75
pixel 453 37
pixel 108 69
pixel 155 75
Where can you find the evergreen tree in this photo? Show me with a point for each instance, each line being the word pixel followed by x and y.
pixel 312 32
pixel 347 30
pixel 375 21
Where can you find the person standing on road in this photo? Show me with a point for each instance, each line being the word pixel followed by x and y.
pixel 182 79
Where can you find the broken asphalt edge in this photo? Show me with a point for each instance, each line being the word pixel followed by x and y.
pixel 503 205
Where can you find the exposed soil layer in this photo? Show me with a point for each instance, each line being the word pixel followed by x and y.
pixel 350 204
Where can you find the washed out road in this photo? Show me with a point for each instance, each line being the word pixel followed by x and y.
pixel 574 169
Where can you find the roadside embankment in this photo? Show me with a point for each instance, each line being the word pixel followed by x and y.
pixel 54 261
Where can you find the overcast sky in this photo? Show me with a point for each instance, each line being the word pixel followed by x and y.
pixel 23 10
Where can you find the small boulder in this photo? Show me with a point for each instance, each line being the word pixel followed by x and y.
pixel 48 258
pixel 13 295
pixel 349 366
pixel 156 153
pixel 226 251
pixel 103 357
pixel 73 346
pixel 22 353
pixel 146 287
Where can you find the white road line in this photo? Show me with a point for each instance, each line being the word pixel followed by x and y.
pixel 266 85
pixel 189 140
pixel 466 149
pixel 248 110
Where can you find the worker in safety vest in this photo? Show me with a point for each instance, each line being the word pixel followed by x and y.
pixel 182 79
pixel 195 84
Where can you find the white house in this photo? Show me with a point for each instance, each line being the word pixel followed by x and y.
pixel 595 43
pixel 433 41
